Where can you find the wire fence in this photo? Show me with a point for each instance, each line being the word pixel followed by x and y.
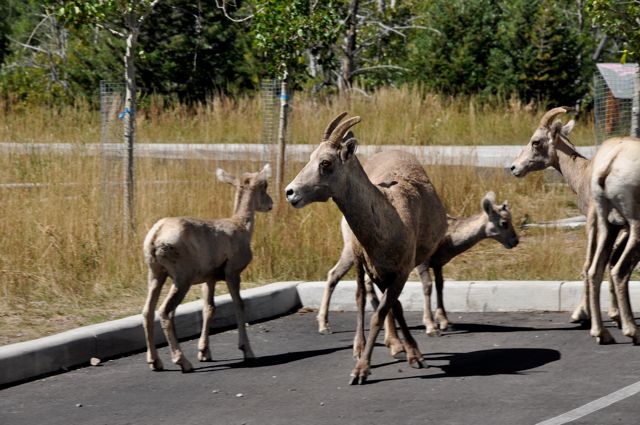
pixel 111 140
pixel 613 91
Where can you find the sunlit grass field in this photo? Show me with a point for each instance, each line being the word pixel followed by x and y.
pixel 65 261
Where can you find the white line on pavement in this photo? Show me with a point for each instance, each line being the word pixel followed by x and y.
pixel 594 406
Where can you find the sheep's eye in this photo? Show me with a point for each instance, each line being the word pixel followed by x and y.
pixel 324 164
pixel 503 224
pixel 535 143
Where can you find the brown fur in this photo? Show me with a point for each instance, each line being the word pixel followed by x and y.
pixel 615 185
pixel 396 218
pixel 549 147
pixel 462 234
pixel 192 250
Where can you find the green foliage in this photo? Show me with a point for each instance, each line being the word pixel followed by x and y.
pixel 533 48
pixel 284 30
pixel 453 57
pixel 620 19
pixel 192 52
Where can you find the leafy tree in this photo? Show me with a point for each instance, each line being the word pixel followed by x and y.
pixel 453 59
pixel 533 48
pixel 123 19
pixel 539 52
pixel 621 19
pixel 192 51
pixel 285 31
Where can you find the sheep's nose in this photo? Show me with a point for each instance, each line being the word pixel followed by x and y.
pixel 513 167
pixel 288 192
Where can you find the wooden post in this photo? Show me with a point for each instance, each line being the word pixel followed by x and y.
pixel 635 106
pixel 129 120
pixel 282 133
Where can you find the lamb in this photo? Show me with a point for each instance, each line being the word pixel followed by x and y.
pixel 463 233
pixel 191 251
pixel 395 215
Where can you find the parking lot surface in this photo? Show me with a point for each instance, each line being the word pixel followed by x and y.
pixel 491 368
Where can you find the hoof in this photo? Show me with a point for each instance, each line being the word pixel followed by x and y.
pixel 416 363
pixel 400 355
pixel 204 356
pixel 605 338
pixel 156 365
pixel 185 366
pixel 397 351
pixel 359 378
pixel 580 316
pixel 325 331
pixel 432 332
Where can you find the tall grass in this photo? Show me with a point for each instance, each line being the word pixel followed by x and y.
pixel 64 260
pixel 405 115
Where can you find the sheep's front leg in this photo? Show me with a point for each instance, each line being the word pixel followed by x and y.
pixel 167 313
pixel 427 288
pixel 359 339
pixel 441 314
pixel 233 283
pixel 208 311
pixel 333 277
pixel 155 281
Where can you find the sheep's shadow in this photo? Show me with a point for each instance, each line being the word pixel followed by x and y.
pixel 464 328
pixel 269 360
pixel 498 361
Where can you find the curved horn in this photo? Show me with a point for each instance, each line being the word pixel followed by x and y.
pixel 332 125
pixel 548 117
pixel 336 136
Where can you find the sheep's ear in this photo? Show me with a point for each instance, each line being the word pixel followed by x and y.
pixel 266 171
pixel 225 177
pixel 566 129
pixel 348 149
pixel 558 129
pixel 487 202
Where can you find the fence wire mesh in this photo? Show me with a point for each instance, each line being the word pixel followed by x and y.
pixel 111 147
pixel 613 92
pixel 270 104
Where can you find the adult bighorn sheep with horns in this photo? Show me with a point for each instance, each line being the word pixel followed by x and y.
pixel 550 147
pixel 395 215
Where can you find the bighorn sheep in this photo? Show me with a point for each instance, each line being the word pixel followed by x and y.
pixel 193 251
pixel 396 218
pixel 550 147
pixel 615 185
pixel 463 233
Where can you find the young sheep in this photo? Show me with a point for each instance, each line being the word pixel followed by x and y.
pixel 191 251
pixel 462 234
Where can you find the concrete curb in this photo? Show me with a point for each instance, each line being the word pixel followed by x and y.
pixel 473 296
pixel 30 359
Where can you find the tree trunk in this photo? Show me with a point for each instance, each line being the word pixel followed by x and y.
pixel 282 133
pixel 129 121
pixel 349 49
pixel 635 106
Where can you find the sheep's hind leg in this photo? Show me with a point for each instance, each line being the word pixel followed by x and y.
pixel 167 315
pixel 156 279
pixel 208 312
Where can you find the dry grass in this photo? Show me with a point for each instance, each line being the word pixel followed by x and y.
pixel 405 115
pixel 65 263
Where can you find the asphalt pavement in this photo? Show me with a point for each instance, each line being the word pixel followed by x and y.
pixel 491 368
